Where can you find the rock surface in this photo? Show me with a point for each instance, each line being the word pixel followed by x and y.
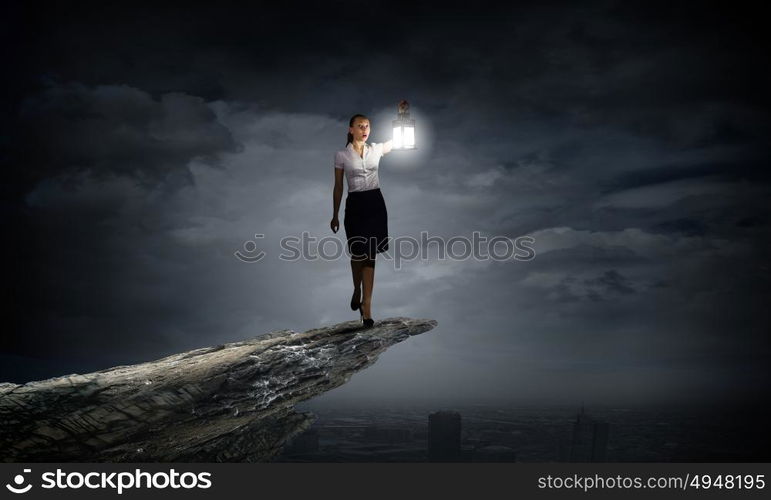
pixel 227 403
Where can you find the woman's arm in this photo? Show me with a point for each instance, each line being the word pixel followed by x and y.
pixel 337 195
pixel 387 146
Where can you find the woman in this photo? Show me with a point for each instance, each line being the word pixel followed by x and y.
pixel 366 218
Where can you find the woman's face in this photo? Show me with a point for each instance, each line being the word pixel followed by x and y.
pixel 360 129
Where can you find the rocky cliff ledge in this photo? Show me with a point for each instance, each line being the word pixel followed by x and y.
pixel 227 403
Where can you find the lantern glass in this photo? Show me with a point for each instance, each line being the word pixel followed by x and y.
pixel 409 137
pixel 398 138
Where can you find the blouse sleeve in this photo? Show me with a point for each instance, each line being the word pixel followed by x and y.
pixel 379 148
pixel 339 160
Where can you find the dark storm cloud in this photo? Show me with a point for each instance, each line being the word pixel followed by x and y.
pixel 628 141
pixel 111 130
pixel 727 170
pixel 610 283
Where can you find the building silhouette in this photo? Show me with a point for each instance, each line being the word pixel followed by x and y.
pixel 590 439
pixel 444 437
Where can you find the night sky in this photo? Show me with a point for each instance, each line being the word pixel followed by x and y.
pixel 144 146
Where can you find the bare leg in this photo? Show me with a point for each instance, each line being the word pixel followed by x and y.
pixel 368 279
pixel 356 273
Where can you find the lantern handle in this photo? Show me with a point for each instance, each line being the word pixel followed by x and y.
pixel 404 108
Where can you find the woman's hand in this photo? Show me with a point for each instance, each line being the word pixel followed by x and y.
pixel 335 224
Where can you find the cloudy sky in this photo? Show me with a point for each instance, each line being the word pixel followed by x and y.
pixel 145 146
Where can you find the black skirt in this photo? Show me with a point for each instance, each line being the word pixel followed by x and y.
pixel 366 223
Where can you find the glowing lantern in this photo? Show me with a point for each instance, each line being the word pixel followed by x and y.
pixel 404 128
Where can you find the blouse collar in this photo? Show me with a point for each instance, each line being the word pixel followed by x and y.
pixel 350 146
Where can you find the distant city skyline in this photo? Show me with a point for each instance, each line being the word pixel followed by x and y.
pixel 355 433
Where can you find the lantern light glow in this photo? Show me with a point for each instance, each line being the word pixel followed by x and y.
pixel 397 137
pixel 404 129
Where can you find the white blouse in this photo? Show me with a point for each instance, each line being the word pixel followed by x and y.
pixel 362 173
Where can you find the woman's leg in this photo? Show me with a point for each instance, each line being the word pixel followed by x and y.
pixel 368 280
pixel 356 268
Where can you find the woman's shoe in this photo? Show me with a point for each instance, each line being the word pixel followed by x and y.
pixel 355 300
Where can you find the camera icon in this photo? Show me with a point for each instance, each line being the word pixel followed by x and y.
pixel 18 480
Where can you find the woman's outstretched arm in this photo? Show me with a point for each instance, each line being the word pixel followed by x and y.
pixel 387 146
